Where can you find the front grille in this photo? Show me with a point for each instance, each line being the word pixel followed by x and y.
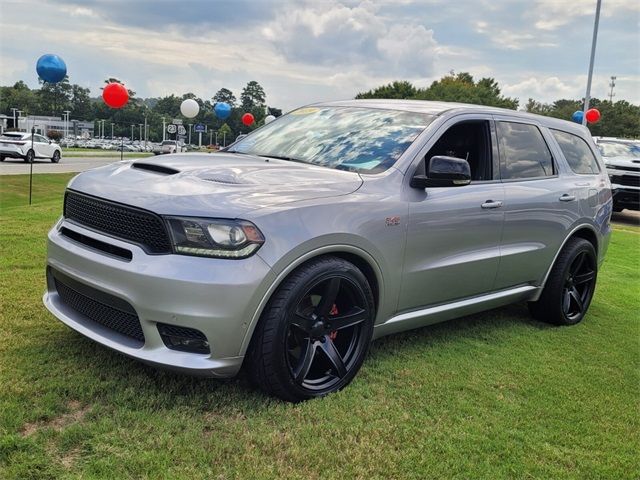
pixel 117 220
pixel 627 180
pixel 99 307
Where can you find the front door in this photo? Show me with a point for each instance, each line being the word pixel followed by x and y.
pixel 453 233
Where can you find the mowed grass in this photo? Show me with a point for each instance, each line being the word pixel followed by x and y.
pixel 495 395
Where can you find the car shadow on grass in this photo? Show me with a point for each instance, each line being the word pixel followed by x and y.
pixel 114 377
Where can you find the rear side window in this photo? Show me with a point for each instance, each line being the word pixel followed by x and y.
pixel 524 152
pixel 578 154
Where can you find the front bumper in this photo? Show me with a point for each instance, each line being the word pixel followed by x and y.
pixel 625 197
pixel 217 297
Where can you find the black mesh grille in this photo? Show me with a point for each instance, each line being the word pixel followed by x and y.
pixel 128 223
pixel 628 180
pixel 175 331
pixel 122 322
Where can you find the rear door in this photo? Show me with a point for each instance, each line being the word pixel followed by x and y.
pixel 540 203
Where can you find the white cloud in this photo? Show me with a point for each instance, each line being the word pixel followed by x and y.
pixel 553 14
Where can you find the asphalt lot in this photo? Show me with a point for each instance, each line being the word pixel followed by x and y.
pixel 12 166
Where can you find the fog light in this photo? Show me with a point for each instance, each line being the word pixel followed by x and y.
pixel 183 339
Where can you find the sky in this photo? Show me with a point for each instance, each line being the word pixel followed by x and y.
pixel 308 51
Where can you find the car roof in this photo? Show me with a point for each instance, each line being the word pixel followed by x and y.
pixel 455 108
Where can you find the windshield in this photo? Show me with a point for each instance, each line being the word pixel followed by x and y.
pixel 611 149
pixel 364 140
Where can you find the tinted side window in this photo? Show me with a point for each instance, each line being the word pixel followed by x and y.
pixel 578 154
pixel 524 151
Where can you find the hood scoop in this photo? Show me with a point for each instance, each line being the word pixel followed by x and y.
pixel 225 179
pixel 151 167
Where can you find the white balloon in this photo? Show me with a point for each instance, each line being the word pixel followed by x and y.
pixel 189 108
pixel 269 119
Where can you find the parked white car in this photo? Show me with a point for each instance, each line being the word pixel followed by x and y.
pixel 19 145
pixel 169 146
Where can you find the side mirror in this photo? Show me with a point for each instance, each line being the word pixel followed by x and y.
pixel 444 172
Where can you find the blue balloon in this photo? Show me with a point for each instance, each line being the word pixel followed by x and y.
pixel 51 68
pixel 222 110
pixel 577 116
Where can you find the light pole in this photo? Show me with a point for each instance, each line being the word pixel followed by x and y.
pixel 102 126
pixel 131 139
pixel 145 130
pixel 189 133
pixel 66 122
pixel 19 115
pixel 112 124
pixel 587 96
pixel 164 129
pixel 140 125
pixel 612 84
pixel 14 110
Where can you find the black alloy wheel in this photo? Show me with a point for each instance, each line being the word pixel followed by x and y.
pixel 578 286
pixel 314 335
pixel 325 334
pixel 569 289
pixel 56 157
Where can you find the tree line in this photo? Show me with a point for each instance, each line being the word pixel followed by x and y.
pixel 54 99
pixel 618 119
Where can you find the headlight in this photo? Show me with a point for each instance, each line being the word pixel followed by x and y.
pixel 214 238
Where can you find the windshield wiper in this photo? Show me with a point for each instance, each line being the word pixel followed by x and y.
pixel 282 157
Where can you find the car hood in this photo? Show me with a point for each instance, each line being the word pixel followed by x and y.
pixel 632 162
pixel 213 185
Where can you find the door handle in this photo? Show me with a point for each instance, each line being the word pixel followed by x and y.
pixel 567 198
pixel 491 204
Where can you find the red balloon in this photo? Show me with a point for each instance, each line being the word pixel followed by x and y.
pixel 247 119
pixel 593 115
pixel 115 95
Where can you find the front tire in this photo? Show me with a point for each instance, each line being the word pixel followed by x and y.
pixel 569 289
pixel 315 332
pixel 56 157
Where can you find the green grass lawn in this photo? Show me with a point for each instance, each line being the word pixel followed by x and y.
pixel 495 395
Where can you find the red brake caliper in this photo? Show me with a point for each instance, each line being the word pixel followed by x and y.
pixel 333 312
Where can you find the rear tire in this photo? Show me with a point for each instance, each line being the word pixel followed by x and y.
pixel 30 156
pixel 56 157
pixel 315 332
pixel 569 289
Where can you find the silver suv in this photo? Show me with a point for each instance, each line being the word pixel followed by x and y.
pixel 333 225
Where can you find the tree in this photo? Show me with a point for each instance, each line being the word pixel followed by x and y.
pixel 462 88
pixel 54 97
pixel 80 105
pixel 252 96
pixel 397 89
pixel 225 95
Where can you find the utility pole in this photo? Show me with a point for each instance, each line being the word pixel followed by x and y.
pixel 140 125
pixel 14 110
pixel 112 124
pixel 587 96
pixel 19 115
pixel 145 130
pixel 189 133
pixel 164 129
pixel 612 84
pixel 211 135
pixel 131 139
